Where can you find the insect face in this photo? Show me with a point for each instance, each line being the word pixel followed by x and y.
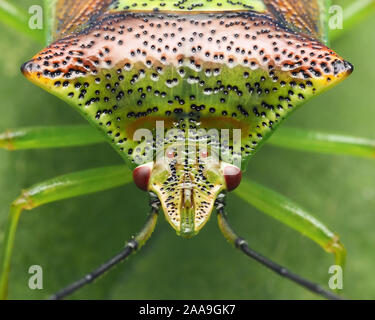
pixel 187 184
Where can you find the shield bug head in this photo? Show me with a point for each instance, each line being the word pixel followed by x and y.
pixel 187 184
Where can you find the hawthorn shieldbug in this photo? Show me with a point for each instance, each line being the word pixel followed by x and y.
pixel 186 93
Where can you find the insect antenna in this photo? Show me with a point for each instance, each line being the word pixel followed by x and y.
pixel 132 246
pixel 242 245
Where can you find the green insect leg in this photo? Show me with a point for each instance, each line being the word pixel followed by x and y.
pixel 292 215
pixel 353 13
pixel 18 18
pixel 63 187
pixel 49 137
pixel 322 142
pixel 131 247
pixel 242 245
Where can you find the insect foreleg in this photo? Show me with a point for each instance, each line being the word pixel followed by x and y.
pixel 63 187
pixel 353 13
pixel 291 214
pixel 322 142
pixel 49 137
pixel 242 245
pixel 132 246
pixel 18 18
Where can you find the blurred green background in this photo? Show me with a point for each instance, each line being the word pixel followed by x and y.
pixel 71 237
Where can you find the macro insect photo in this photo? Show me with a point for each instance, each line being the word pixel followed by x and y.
pixel 125 180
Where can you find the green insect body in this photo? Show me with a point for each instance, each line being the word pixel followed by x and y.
pixel 195 68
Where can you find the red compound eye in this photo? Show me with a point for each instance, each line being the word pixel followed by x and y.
pixel 170 154
pixel 204 154
pixel 141 176
pixel 232 176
